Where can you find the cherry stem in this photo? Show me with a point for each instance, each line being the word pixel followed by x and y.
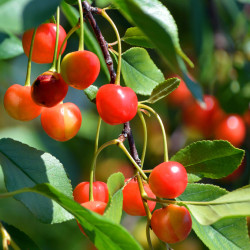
pixel 81 39
pixel 64 41
pixel 92 172
pixel 118 72
pixel 53 67
pixel 6 239
pixel 145 136
pixel 162 128
pixel 27 81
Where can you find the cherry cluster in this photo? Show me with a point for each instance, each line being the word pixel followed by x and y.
pixel 171 223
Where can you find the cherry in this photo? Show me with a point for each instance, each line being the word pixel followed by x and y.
pixel 132 201
pixel 232 129
pixel 116 104
pixel 171 224
pixel 49 89
pixel 80 68
pixel 44 44
pixel 168 180
pixel 100 192
pixel 61 122
pixel 19 104
pixel 203 119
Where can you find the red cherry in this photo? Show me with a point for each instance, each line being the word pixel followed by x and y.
pixel 80 69
pixel 100 192
pixel 61 122
pixel 49 89
pixel 203 119
pixel 19 104
pixel 116 104
pixel 171 224
pixel 232 129
pixel 44 44
pixel 132 201
pixel 168 180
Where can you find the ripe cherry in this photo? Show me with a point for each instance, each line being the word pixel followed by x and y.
pixel 171 224
pixel 80 68
pixel 19 104
pixel 49 89
pixel 116 104
pixel 100 192
pixel 168 180
pixel 61 122
pixel 232 129
pixel 132 201
pixel 44 44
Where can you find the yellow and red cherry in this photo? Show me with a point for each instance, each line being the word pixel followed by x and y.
pixel 44 43
pixel 49 89
pixel 61 122
pixel 168 180
pixel 171 224
pixel 19 104
pixel 116 104
pixel 80 69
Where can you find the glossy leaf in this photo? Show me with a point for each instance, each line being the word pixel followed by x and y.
pixel 103 233
pixel 24 166
pixel 10 46
pixel 91 92
pixel 156 22
pixel 210 159
pixel 114 209
pixel 139 71
pixel 25 14
pixel 134 36
pixel 163 89
pixel 231 233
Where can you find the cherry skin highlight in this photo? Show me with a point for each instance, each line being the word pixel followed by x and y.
pixel 100 192
pixel 171 224
pixel 232 129
pixel 19 104
pixel 61 122
pixel 44 44
pixel 168 180
pixel 116 104
pixel 132 201
pixel 49 89
pixel 80 69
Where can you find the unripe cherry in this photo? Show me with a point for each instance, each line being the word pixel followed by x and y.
pixel 44 43
pixel 168 180
pixel 132 201
pixel 116 104
pixel 19 104
pixel 171 224
pixel 49 89
pixel 80 69
pixel 61 122
pixel 100 192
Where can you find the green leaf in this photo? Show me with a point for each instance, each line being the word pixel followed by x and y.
pixel 231 233
pixel 24 166
pixel 134 36
pixel 103 233
pixel 73 2
pixel 156 22
pixel 233 204
pixel 163 89
pixel 139 71
pixel 91 92
pixel 10 46
pixel 20 238
pixel 16 16
pixel 211 159
pixel 114 209
pixel 72 15
pixel 193 178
